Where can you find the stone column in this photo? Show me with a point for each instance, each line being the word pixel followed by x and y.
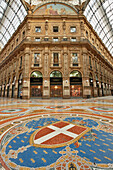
pixel 26 79
pixel 66 81
pixel 85 78
pixel 46 78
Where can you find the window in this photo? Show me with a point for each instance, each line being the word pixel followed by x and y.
pixel 73 39
pixel 90 62
pixel 75 59
pixel 20 61
pixel 73 29
pixel 86 34
pixel 55 39
pixel 23 34
pixel 65 39
pixel 17 40
pixel 46 39
pixel 37 39
pixel 37 29
pixel 55 59
pixel 36 59
pixel 55 28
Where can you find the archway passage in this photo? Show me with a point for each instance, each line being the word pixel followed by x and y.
pixel 13 86
pixel 91 84
pixel 56 84
pixel 36 84
pixel 75 84
pixel 20 82
pixel 8 87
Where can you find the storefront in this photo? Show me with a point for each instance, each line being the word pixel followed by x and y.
pixel 75 84
pixel 56 84
pixel 36 84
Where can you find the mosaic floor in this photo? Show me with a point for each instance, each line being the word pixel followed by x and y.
pixel 74 134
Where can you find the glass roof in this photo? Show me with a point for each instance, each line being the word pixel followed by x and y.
pixel 100 15
pixel 12 13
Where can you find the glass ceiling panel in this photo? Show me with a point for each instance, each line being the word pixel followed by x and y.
pixel 12 13
pixel 100 14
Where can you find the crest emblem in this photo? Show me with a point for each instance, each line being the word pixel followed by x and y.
pixel 57 135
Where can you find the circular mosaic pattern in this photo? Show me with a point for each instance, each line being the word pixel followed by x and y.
pixel 59 107
pixel 102 109
pixel 12 111
pixel 43 142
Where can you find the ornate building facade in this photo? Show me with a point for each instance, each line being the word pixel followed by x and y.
pixel 55 53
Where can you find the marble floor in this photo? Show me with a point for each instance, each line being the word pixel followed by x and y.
pixel 56 134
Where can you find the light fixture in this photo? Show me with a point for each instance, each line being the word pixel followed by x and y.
pixel 56 87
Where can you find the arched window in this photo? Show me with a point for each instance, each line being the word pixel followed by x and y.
pixel 56 74
pixel 75 74
pixel 36 74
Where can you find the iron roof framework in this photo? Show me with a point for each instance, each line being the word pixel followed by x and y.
pixel 100 15
pixel 12 13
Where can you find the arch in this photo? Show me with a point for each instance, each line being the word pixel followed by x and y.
pixel 75 84
pixel 56 84
pixel 13 84
pixel 36 84
pixel 91 84
pixel 75 73
pixel 55 74
pixel 20 85
pixel 36 74
pixel 8 85
pixel 58 8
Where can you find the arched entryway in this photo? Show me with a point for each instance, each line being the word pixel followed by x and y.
pixel 91 84
pixel 8 86
pixel 36 84
pixel 20 82
pixel 13 86
pixel 75 84
pixel 56 84
pixel 97 85
pixel 4 89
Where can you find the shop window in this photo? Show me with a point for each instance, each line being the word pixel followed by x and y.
pixel 72 29
pixel 55 59
pixel 74 59
pixel 36 59
pixel 37 29
pixel 73 39
pixel 55 28
pixel 55 39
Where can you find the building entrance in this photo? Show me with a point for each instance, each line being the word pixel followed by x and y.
pixel 75 84
pixel 36 84
pixel 55 84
